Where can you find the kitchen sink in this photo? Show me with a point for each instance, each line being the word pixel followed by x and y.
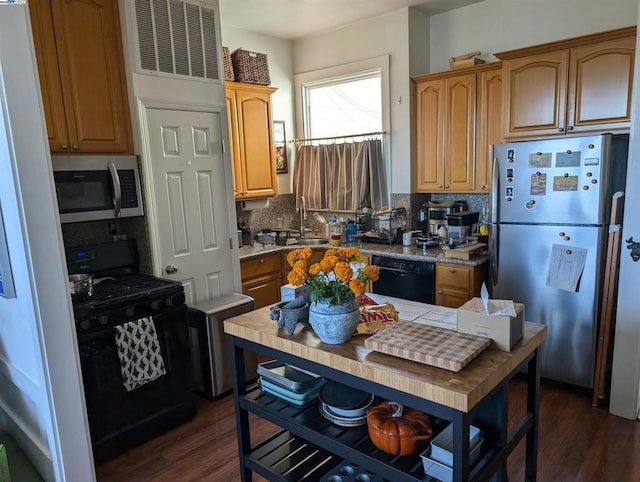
pixel 312 241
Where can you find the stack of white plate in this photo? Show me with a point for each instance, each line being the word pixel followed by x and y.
pixel 343 405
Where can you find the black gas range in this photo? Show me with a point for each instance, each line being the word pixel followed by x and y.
pixel 119 291
pixel 120 418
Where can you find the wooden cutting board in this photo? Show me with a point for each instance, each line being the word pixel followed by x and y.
pixel 430 345
pixel 463 252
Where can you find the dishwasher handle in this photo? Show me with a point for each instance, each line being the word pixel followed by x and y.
pixel 399 272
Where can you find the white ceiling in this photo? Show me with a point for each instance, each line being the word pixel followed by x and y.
pixel 290 19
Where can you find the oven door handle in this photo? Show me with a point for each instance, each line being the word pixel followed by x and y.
pixel 117 190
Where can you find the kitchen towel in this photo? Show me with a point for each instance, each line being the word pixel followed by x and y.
pixel 139 352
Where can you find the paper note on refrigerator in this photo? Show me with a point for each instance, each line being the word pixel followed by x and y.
pixel 565 267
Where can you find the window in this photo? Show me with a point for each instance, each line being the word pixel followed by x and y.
pixel 344 106
pixel 343 101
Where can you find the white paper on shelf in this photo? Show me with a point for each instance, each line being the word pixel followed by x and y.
pixel 565 267
pixel 496 307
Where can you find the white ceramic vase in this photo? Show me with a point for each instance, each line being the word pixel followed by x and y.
pixel 334 324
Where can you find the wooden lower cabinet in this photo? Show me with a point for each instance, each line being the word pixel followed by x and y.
pixel 457 283
pixel 262 278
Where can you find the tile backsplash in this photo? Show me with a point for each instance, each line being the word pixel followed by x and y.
pixel 96 232
pixel 281 211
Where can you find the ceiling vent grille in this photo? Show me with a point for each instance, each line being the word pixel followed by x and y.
pixel 177 37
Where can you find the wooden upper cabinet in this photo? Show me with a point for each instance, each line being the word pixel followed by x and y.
pixel 457 116
pixel 251 131
pixel 460 118
pixel 572 86
pixel 535 93
pixel 49 74
pixel 428 156
pixel 488 125
pixel 235 145
pixel 79 52
pixel 600 84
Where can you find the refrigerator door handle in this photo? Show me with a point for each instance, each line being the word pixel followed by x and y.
pixel 495 188
pixel 493 255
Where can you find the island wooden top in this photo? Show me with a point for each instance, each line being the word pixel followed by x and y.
pixel 459 390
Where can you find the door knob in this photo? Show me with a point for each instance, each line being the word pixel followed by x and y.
pixel 170 269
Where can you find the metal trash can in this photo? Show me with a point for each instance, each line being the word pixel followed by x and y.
pixel 210 357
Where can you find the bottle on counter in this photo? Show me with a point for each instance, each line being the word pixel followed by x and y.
pixel 343 230
pixel 351 231
pixel 335 233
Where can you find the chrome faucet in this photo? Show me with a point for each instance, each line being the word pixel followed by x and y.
pixel 303 216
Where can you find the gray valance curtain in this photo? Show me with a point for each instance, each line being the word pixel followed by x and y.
pixel 341 177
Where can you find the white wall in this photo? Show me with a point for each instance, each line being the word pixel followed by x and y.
pixel 40 386
pixel 497 25
pixel 625 378
pixel 383 35
pixel 280 57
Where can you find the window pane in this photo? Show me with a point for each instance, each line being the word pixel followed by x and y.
pixel 345 108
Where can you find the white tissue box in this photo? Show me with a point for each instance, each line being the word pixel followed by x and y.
pixel 290 292
pixel 505 331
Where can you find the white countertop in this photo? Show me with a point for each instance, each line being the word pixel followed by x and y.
pixel 423 313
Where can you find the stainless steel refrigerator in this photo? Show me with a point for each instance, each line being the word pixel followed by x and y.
pixel 550 206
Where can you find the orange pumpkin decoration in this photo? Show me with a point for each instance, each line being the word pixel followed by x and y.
pixel 398 430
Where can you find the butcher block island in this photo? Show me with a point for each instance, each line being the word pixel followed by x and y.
pixel 311 447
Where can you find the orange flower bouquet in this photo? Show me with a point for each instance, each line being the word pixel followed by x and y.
pixel 338 277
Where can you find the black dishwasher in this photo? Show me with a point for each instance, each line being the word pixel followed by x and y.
pixel 406 279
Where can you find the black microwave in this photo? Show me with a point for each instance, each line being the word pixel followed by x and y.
pixel 90 188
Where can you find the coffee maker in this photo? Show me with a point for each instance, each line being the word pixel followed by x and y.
pixel 435 221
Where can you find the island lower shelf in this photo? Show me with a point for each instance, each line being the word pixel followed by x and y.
pixel 306 448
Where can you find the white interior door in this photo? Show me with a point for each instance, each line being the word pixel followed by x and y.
pixel 188 173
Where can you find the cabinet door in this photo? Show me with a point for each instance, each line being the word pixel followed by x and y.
pixel 265 290
pixel 89 48
pixel 460 115
pixel 451 298
pixel 234 148
pixel 535 93
pixel 255 133
pixel 428 155
pixel 49 74
pixel 489 125
pixel 600 83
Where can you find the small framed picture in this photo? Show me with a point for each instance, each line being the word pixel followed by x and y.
pixel 280 145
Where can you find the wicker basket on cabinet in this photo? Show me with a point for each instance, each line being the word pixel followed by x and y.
pixel 228 66
pixel 250 67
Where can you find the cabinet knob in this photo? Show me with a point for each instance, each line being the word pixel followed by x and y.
pixel 452 270
pixel 75 147
pixel 561 129
pixel 446 186
pixel 483 187
pixel 65 146
pixel 570 128
pixel 439 186
pixel 440 292
pixel 262 260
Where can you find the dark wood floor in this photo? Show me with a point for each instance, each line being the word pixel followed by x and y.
pixel 577 443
